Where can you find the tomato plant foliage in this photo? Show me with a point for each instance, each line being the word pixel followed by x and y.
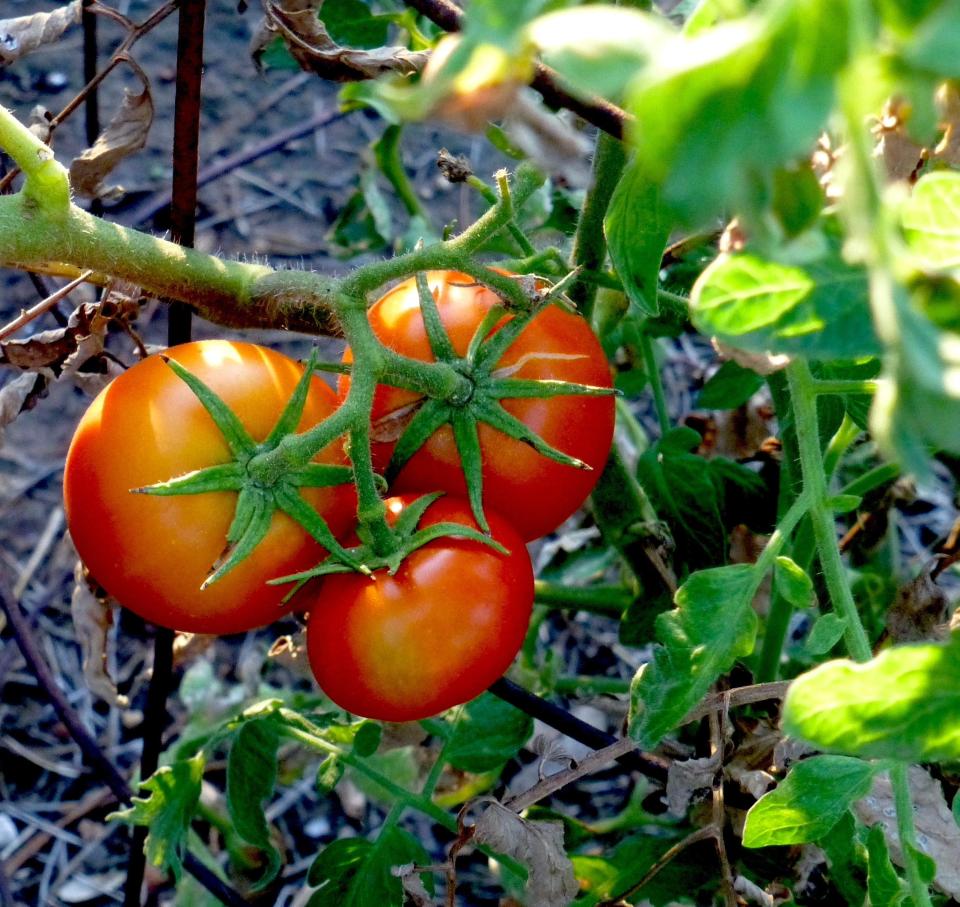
pixel 770 212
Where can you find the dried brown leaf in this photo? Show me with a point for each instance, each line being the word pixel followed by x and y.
pixel 309 43
pixel 685 778
pixel 539 846
pixel 15 397
pixel 92 616
pixel 918 610
pixel 938 835
pixel 413 886
pixel 126 133
pixel 24 34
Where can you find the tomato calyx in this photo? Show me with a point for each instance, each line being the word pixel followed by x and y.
pixel 478 399
pixel 407 537
pixel 260 493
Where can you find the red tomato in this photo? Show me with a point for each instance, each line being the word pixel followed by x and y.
pixel 535 493
pixel 435 634
pixel 153 553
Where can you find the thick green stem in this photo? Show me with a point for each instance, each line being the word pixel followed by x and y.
pixel 900 781
pixel 803 399
pixel 489 196
pixel 845 386
pixel 595 599
pixel 590 244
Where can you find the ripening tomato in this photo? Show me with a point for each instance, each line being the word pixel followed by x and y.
pixel 153 553
pixel 435 634
pixel 535 493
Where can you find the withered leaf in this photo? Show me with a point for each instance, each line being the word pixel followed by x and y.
pixel 539 846
pixel 92 617
pixel 309 43
pixel 24 34
pixel 126 133
pixel 938 835
pixel 18 395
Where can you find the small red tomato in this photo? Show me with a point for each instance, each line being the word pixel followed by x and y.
pixel 435 634
pixel 153 553
pixel 534 492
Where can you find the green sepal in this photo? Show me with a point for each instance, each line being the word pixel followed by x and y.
pixel 492 351
pixel 293 411
pixel 436 333
pixel 236 436
pixel 467 439
pixel 411 515
pixel 222 477
pixel 251 523
pixel 428 418
pixel 295 507
pixel 454 530
pixel 507 388
pixel 320 475
pixel 494 414
pixel 488 323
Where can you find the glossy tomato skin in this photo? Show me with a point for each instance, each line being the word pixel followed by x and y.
pixel 535 493
pixel 152 553
pixel 432 636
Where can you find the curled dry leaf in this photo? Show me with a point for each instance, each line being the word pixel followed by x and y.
pixel 919 610
pixel 685 778
pixel 24 34
pixel 938 835
pixel 126 133
pixel 92 616
pixel 18 395
pixel 298 23
pixel 539 846
pixel 761 363
pixel 413 888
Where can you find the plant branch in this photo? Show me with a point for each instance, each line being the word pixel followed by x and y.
pixel 900 781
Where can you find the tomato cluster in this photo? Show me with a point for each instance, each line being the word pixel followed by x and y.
pixel 405 642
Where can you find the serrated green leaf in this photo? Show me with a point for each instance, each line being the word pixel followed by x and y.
pixel 488 733
pixel 172 795
pixel 351 23
pixel 931 220
pixel 847 859
pixel 904 704
pixel 718 111
pixel 599 48
pixel 251 778
pixel 355 872
pixel 729 387
pixel 827 631
pixel 637 229
pixel 884 886
pixel 820 310
pixel 712 625
pixel 808 802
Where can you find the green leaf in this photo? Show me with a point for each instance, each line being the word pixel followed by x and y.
pixel 826 632
pixel 364 224
pixel 682 492
pixel 351 23
pixel 935 45
pixel 819 310
pixel 730 387
pixel 637 229
pixel 930 218
pixel 712 625
pixel 355 872
pixel 797 198
pixel 808 802
pixel 251 777
pixel 884 886
pixel 598 48
pixel 719 111
pixel 488 733
pixel 367 740
pixel 792 583
pixel 847 859
pixel 844 503
pixel 904 704
pixel 173 792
